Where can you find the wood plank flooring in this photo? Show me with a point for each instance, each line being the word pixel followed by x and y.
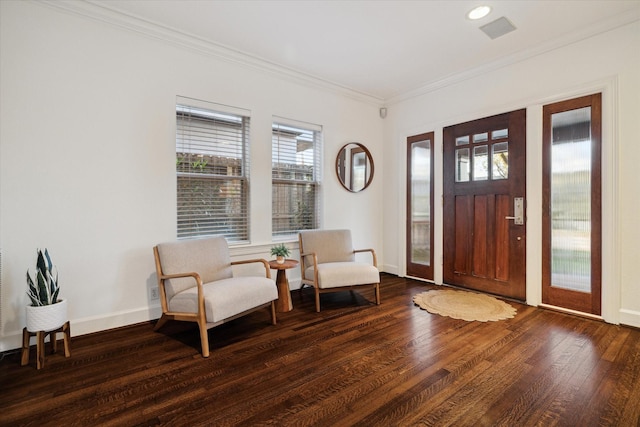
pixel 353 364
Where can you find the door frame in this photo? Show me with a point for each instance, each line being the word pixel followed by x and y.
pixel 611 252
pixel 568 299
pixel 412 269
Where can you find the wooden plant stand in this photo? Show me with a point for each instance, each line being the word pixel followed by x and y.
pixel 26 336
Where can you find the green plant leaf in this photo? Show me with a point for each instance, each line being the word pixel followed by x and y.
pixel 45 289
pixel 49 264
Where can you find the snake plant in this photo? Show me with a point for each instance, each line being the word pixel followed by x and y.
pixel 44 289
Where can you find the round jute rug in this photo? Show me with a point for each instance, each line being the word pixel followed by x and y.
pixel 464 305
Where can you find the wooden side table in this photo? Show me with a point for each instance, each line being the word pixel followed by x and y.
pixel 284 293
pixel 40 336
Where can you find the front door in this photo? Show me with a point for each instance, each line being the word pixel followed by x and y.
pixel 485 204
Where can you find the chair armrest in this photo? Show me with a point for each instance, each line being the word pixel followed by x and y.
pixel 196 276
pixel 373 254
pixel 163 293
pixel 303 267
pixel 313 256
pixel 256 260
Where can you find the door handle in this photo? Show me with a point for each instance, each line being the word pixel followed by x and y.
pixel 518 211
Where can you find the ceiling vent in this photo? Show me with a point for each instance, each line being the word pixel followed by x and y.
pixel 497 28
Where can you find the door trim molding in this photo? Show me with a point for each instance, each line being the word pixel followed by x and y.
pixel 612 311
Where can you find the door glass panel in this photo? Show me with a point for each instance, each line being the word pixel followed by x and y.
pixel 462 165
pixel 421 203
pixel 480 163
pixel 481 137
pixel 462 140
pixel 500 157
pixel 500 134
pixel 571 200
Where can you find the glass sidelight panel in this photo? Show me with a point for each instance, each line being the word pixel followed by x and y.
pixel 421 202
pixel 420 211
pixel 571 161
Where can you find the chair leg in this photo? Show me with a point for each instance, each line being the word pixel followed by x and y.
pixel 377 289
pixel 204 339
pixel 161 322
pixel 317 299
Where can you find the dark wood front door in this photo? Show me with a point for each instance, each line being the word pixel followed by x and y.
pixel 485 205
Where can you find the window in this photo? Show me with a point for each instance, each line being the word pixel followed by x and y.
pixel 420 206
pixel 494 166
pixel 212 167
pixel 295 149
pixel 572 218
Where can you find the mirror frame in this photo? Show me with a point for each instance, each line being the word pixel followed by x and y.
pixel 369 158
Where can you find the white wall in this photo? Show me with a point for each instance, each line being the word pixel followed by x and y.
pixel 609 63
pixel 87 157
pixel 87 169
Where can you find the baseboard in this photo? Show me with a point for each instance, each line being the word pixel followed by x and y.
pixel 88 325
pixel 391 269
pixel 630 317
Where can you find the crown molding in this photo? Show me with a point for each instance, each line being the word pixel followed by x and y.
pixel 99 12
pixel 575 37
pixel 153 30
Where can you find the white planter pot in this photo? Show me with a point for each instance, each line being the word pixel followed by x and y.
pixel 47 317
pixel 280 260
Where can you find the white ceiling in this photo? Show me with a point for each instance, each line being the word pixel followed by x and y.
pixel 385 50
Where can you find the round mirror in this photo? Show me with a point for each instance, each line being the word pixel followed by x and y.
pixel 354 166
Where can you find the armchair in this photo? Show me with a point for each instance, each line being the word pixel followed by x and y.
pixel 327 263
pixel 196 284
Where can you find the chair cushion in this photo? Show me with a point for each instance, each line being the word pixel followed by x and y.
pixel 328 245
pixel 337 274
pixel 208 257
pixel 227 297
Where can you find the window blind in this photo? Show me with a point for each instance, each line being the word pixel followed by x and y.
pixel 212 166
pixel 296 177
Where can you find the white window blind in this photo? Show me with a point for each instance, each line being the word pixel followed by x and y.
pixel 212 166
pixel 296 177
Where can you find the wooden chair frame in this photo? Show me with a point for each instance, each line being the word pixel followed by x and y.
pixel 200 317
pixel 314 283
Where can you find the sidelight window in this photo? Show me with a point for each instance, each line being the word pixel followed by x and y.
pixel 572 219
pixel 420 206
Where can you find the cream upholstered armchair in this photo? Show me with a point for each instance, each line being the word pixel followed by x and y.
pixel 328 263
pixel 196 284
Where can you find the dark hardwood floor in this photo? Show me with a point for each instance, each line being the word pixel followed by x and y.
pixel 353 364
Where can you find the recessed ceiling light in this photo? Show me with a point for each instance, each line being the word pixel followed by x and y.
pixel 479 12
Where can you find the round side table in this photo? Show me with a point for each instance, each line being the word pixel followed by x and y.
pixel 284 294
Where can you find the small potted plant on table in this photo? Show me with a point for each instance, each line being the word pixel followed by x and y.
pixel 280 252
